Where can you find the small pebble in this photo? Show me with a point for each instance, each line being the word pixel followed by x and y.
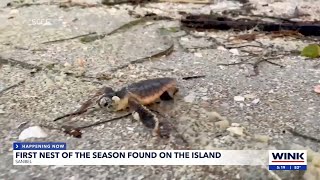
pixel 221 48
pixel 317 89
pixel 14 12
pixel 67 64
pixel 200 33
pixel 256 101
pixel 249 96
pixel 129 128
pixel 241 105
pixel 214 116
pixel 205 98
pixel 234 51
pixel 49 82
pixel 261 138
pixel 223 125
pixel 235 124
pixel 198 54
pixel 149 23
pixel 184 39
pixel 236 130
pixel 222 67
pixel 203 90
pixel 238 98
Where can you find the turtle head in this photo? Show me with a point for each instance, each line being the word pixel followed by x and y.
pixel 106 100
pixel 109 99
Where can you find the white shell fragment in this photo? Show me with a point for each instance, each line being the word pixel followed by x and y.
pixel 32 132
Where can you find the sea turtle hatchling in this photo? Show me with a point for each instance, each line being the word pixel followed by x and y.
pixel 137 96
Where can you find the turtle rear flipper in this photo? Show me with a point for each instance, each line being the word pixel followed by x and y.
pixel 148 118
pixel 169 94
pixel 164 130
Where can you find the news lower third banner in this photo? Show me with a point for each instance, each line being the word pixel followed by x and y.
pixel 56 153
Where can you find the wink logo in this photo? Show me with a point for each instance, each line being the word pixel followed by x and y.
pixel 287 159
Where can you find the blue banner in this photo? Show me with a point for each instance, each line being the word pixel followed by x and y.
pixel 288 167
pixel 39 146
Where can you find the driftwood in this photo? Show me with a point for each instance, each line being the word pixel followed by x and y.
pixel 193 77
pixel 203 21
pixel 86 106
pixel 159 54
pixel 76 131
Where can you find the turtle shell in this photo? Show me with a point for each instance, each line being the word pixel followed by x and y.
pixel 147 91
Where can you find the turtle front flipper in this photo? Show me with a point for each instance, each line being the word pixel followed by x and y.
pixel 148 118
